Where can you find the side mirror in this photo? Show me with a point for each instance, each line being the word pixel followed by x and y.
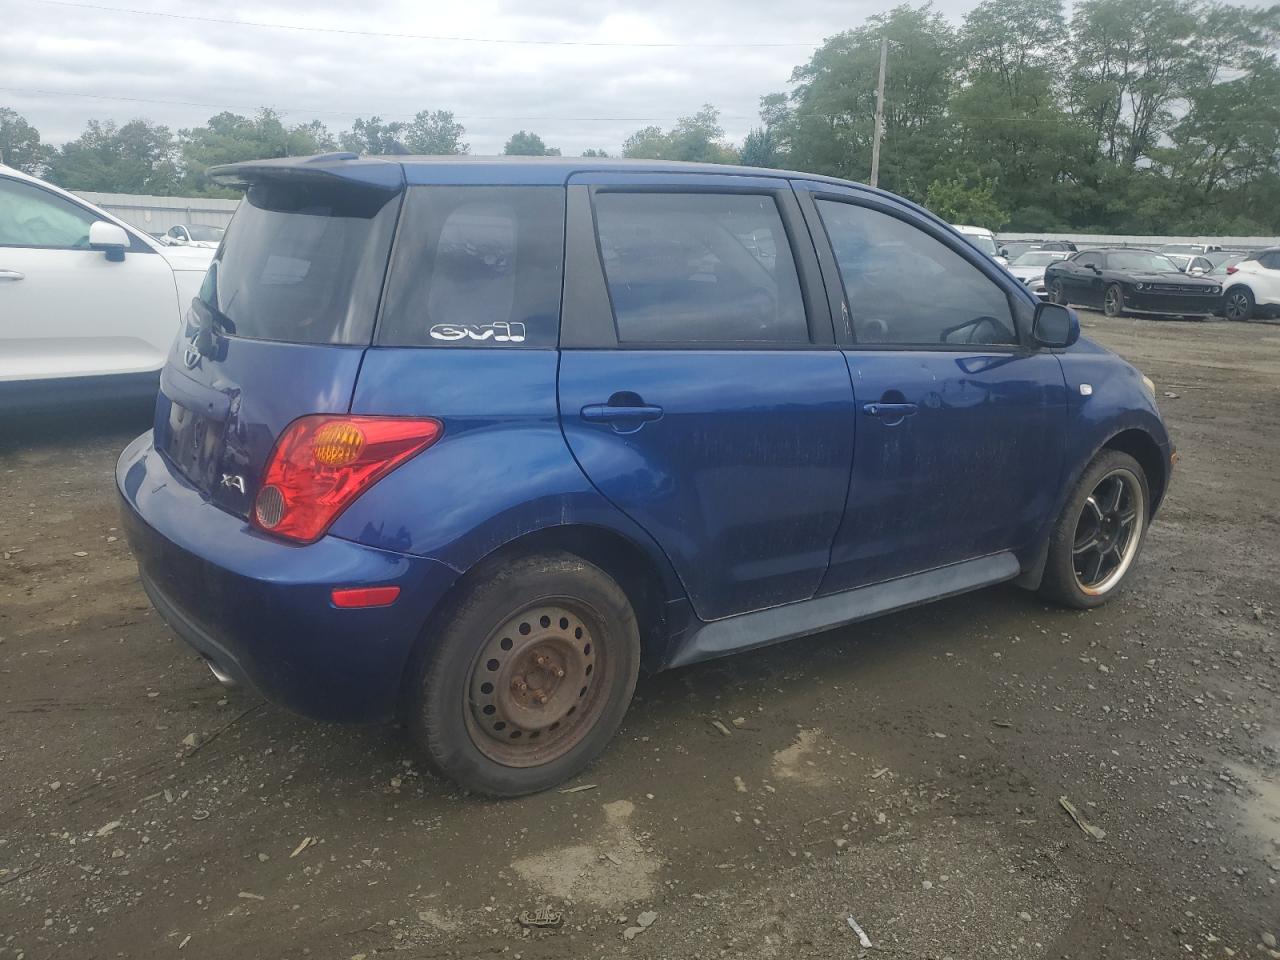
pixel 178 240
pixel 1004 252
pixel 109 238
pixel 1196 271
pixel 1055 325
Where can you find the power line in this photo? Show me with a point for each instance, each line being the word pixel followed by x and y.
pixel 336 113
pixel 413 36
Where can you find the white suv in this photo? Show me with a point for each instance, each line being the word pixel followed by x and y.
pixel 1252 286
pixel 88 304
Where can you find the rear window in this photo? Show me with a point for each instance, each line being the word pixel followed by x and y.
pixel 303 262
pixel 476 266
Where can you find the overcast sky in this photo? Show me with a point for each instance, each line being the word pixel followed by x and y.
pixel 493 88
pixel 575 96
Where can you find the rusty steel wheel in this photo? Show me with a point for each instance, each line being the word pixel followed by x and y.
pixel 538 684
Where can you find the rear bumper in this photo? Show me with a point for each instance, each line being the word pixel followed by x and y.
pixel 259 610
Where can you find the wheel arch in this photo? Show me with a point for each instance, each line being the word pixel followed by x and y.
pixel 1143 447
pixel 641 576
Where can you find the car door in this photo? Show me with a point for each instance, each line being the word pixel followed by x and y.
pixel 67 310
pixel 958 447
pixel 700 387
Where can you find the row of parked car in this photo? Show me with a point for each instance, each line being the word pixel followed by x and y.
pixel 1174 279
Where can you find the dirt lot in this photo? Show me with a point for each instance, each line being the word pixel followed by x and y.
pixel 906 772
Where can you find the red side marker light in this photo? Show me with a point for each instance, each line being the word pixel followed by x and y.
pixel 349 598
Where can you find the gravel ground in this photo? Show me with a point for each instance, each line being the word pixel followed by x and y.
pixel 905 773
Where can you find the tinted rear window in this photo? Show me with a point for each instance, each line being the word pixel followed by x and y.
pixel 476 266
pixel 303 263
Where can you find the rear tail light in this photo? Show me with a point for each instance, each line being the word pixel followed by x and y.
pixel 1232 269
pixel 322 463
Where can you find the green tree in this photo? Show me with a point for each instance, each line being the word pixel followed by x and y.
pixel 524 144
pixel 697 138
pixel 957 202
pixel 230 138
pixel 435 133
pixel 767 145
pixel 139 157
pixel 593 152
pixel 833 105
pixel 20 145
pixel 372 137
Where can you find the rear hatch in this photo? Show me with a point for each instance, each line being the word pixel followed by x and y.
pixel 282 319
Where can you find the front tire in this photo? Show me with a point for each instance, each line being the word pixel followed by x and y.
pixel 529 678
pixel 1238 304
pixel 1057 294
pixel 1099 533
pixel 1113 301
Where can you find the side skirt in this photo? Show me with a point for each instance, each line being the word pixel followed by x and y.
pixel 764 627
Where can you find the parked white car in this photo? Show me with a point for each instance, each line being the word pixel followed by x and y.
pixel 88 304
pixel 984 240
pixel 194 235
pixel 1251 287
pixel 1029 268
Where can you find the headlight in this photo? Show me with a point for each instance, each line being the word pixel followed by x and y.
pixel 1138 286
pixel 1216 290
pixel 1149 384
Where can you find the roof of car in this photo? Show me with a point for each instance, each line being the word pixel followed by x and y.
pixel 468 169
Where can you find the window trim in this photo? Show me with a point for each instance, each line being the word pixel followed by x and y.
pixel 588 317
pixel 136 244
pixel 1021 312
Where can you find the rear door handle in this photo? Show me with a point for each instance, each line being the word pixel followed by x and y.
pixel 890 411
pixel 11 275
pixel 605 413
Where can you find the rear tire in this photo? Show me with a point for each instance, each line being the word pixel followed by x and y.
pixel 1239 304
pixel 1113 301
pixel 529 678
pixel 1099 533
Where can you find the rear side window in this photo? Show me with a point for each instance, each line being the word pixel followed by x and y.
pixel 687 267
pixel 303 262
pixel 904 286
pixel 476 266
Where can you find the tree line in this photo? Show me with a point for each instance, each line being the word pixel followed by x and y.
pixel 1130 116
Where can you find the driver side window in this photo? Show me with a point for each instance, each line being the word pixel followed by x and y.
pixel 32 217
pixel 905 287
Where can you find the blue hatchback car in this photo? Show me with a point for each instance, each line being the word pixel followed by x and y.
pixel 472 442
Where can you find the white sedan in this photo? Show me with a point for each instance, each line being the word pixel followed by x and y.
pixel 88 304
pixel 1029 269
pixel 193 235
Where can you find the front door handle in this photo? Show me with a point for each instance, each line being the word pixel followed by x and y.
pixel 11 275
pixel 607 413
pixel 890 411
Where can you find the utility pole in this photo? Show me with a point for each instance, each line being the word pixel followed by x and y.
pixel 875 143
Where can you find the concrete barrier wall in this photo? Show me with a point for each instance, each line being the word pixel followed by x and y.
pixel 158 214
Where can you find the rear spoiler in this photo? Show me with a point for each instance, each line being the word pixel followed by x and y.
pixel 324 167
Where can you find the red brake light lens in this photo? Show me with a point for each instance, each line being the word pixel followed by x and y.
pixel 322 463
pixel 355 598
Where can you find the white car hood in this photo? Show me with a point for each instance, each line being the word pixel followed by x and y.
pixel 187 258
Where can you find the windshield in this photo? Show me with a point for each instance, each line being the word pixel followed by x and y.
pixel 199 231
pixel 302 262
pixel 1141 261
pixel 1037 258
pixel 982 242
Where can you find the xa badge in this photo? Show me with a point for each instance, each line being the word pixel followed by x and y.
pixel 234 481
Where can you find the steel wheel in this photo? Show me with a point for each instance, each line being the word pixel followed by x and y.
pixel 1057 294
pixel 1108 532
pixel 1238 305
pixel 538 685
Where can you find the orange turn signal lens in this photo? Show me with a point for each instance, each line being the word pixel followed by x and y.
pixel 337 444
